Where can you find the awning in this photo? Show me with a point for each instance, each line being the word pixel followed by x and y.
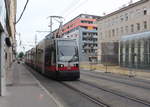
pixel 135 36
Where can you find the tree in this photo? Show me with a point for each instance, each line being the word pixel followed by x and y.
pixel 20 55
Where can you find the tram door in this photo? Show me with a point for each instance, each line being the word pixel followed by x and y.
pixel 50 58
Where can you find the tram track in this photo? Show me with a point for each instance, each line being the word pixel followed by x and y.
pixel 119 77
pixel 120 94
pixel 44 81
pixel 118 81
pixel 98 100
pixel 88 96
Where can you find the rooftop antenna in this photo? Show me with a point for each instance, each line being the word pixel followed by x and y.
pixel 104 13
pixel 130 2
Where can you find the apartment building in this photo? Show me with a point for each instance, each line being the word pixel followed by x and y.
pixel 7 40
pixel 84 29
pixel 127 21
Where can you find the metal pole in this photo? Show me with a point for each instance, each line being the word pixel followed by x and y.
pixel 35 40
pixel 51 21
pixel 51 25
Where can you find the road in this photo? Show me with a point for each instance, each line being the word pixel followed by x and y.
pixel 95 87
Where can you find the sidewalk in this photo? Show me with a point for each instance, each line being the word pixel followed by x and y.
pixel 26 91
pixel 145 74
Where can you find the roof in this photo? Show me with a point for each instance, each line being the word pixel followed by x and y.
pixel 123 9
pixel 96 17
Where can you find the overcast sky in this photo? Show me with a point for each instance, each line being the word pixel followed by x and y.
pixel 37 11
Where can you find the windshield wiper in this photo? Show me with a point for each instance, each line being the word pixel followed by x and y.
pixel 61 53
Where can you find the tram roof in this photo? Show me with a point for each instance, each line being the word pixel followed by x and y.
pixel 135 36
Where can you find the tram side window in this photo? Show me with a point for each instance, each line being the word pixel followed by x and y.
pixel 47 56
pixel 53 56
pixel 50 56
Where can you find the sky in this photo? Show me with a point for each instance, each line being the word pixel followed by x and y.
pixel 35 17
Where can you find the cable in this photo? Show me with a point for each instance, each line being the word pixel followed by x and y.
pixel 69 7
pixel 22 12
pixel 75 8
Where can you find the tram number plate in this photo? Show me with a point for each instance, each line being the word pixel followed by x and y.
pixel 69 67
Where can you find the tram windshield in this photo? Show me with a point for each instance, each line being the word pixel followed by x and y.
pixel 67 51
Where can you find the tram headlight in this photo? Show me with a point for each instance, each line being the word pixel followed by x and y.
pixel 60 65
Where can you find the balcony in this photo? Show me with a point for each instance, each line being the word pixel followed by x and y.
pixel 87 30
pixel 86 47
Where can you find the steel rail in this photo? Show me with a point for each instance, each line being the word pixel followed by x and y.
pixel 91 98
pixel 118 93
pixel 113 80
pixel 125 77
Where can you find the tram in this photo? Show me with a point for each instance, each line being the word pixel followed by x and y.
pixel 56 58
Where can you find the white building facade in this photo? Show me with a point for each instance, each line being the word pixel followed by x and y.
pixel 7 39
pixel 132 19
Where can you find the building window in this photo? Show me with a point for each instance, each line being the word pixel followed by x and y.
pixel 132 28
pixel 131 14
pixel 112 22
pixel 138 26
pixel 138 13
pixel 84 27
pixel 83 16
pixel 109 33
pixel 116 31
pixel 101 34
pixel 121 19
pixel 126 17
pixel 86 16
pixel 113 32
pixel 84 33
pixel 145 12
pixel 88 22
pixel 90 17
pixel 126 29
pixel 145 24
pixel 121 29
